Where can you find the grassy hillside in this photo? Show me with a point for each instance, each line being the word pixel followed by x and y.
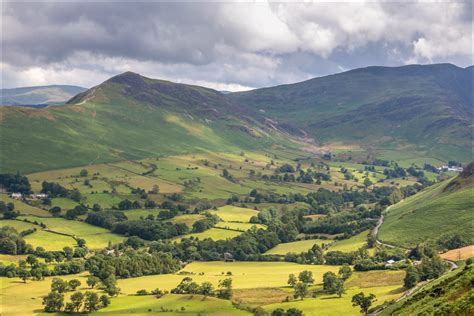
pixel 449 295
pixel 126 117
pixel 415 109
pixel 440 209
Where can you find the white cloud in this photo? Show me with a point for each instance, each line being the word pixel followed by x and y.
pixel 228 46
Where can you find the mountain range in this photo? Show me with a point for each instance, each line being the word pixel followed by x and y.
pixel 411 109
pixel 39 96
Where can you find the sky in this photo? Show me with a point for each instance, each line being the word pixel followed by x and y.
pixel 225 45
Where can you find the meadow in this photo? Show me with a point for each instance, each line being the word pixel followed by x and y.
pixel 350 244
pixel 297 246
pixel 95 237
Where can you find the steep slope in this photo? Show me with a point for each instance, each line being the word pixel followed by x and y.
pixel 425 108
pixel 39 96
pixel 451 294
pixel 127 117
pixel 443 208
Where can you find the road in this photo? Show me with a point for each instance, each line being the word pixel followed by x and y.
pixel 409 292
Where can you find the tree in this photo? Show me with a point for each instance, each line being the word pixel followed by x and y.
pixel 278 312
pixel 96 207
pixel 76 300
pixel 225 289
pixel 206 289
pixel 292 280
pixel 74 284
pixel 59 285
pixel 345 272
pixel 412 277
pixel 24 274
pixel 91 303
pixel 81 242
pixel 329 279
pixel 306 277
pixel 294 312
pixel 301 290
pixel 53 302
pixel 68 252
pixel 92 281
pixel 339 288
pixel 84 173
pixel 104 300
pixel 364 302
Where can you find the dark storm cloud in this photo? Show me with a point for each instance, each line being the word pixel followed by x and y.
pixel 224 45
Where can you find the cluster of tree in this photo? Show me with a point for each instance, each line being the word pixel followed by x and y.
pixel 312 256
pixel 431 266
pixel 396 172
pixel 128 205
pixel 15 183
pixel 149 229
pixel 131 263
pixel 54 189
pixel 8 210
pixel 452 241
pixel 333 284
pixel 288 312
pixel 415 173
pixel 78 210
pixel 188 286
pixel 12 242
pixel 226 174
pixel 430 168
pixel 206 223
pixel 301 285
pixel 347 223
pixel 105 219
pixel 89 301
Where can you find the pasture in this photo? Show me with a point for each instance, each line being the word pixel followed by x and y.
pixel 95 237
pixel 238 226
pixel 23 208
pixel 351 244
pixel 170 304
pixel 245 275
pixel 296 246
pixel 212 233
pixel 230 213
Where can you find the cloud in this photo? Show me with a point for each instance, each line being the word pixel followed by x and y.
pixel 225 45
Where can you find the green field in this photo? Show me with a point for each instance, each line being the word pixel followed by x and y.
pixel 351 244
pixel 239 226
pixel 245 275
pixel 230 213
pixel 171 304
pixel 23 208
pixel 429 214
pixel 386 285
pixel 296 246
pixel 213 233
pixel 95 237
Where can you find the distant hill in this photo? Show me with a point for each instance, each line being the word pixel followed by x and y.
pixel 39 96
pixel 128 117
pixel 425 109
pixel 419 218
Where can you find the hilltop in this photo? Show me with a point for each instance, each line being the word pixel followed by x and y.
pixel 417 109
pixel 128 117
pixel 39 96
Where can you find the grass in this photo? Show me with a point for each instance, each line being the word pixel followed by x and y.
pixel 95 237
pixel 19 298
pixel 296 246
pixel 188 219
pixel 245 275
pixel 23 208
pixel 230 213
pixel 214 234
pixel 239 226
pixel 351 244
pixel 137 214
pixel 428 214
pixel 171 304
